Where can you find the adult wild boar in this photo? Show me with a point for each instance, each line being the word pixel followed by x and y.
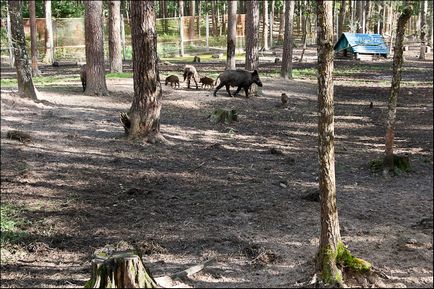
pixel 241 78
pixel 190 72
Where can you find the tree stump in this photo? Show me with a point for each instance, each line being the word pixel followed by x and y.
pixel 119 270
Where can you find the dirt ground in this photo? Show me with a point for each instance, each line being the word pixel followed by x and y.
pixel 235 192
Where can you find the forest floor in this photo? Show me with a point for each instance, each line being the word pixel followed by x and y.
pixel 240 193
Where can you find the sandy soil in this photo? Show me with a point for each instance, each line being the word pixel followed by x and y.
pixel 235 192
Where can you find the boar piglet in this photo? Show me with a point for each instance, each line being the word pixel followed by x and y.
pixel 241 78
pixel 172 79
pixel 83 76
pixel 207 81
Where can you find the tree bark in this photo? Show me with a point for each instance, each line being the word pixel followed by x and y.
pixel 144 114
pixel 330 232
pixel 191 23
pixel 22 65
pixel 286 70
pixel 252 39
pixel 342 14
pixel 214 18
pixel 33 43
pixel 359 16
pixel 423 29
pixel 394 90
pixel 265 27
pixel 95 71
pixel 115 47
pixel 271 23
pixel 304 30
pixel 49 42
pixel 232 34
pixel 282 23
pixel 9 34
pixel 367 17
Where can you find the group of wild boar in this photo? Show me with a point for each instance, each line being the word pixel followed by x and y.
pixel 239 77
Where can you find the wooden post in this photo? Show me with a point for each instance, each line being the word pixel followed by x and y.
pixel 119 270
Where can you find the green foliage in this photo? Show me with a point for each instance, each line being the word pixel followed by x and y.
pixel 345 259
pixel 401 165
pixel 11 224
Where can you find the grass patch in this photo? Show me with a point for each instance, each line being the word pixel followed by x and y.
pixel 11 224
pixel 119 75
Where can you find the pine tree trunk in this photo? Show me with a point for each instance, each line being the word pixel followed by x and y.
pixel 232 34
pixel 49 43
pixel 144 114
pixel 394 90
pixel 252 39
pixel 214 18
pixel 286 70
pixel 265 27
pixel 330 232
pixel 9 35
pixel 120 270
pixel 423 29
pixel 33 43
pixel 359 16
pixel 367 16
pixel 191 23
pixel 95 71
pixel 304 32
pixel 271 24
pixel 282 23
pixel 342 14
pixel 115 47
pixel 22 65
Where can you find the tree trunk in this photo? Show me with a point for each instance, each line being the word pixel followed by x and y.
pixel 330 232
pixel 181 8
pixel 115 47
pixel 214 18
pixel 49 43
pixel 95 72
pixel 265 27
pixel 282 23
pixel 199 14
pixel 33 43
pixel 144 114
pixel 22 65
pixel 367 16
pixel 252 39
pixel 232 34
pixel 165 15
pixel 271 23
pixel 304 31
pixel 191 22
pixel 9 34
pixel 286 70
pixel 120 270
pixel 342 14
pixel 423 29
pixel 359 16
pixel 394 90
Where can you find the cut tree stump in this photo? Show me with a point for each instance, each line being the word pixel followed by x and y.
pixel 123 269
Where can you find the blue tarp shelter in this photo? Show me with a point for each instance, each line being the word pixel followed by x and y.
pixel 361 44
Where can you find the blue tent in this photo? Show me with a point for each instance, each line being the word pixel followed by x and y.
pixel 359 43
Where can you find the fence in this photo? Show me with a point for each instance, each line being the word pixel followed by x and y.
pixel 176 36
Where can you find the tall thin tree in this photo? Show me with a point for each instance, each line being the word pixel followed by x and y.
pixel 265 24
pixel 423 29
pixel 232 34
pixel 26 87
pixel 49 41
pixel 192 9
pixel 342 14
pixel 252 39
pixel 143 119
pixel 115 47
pixel 286 69
pixel 93 27
pixel 394 89
pixel 33 43
pixel 330 237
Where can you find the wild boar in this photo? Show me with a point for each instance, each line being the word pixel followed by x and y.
pixel 83 76
pixel 207 81
pixel 172 79
pixel 241 78
pixel 190 72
